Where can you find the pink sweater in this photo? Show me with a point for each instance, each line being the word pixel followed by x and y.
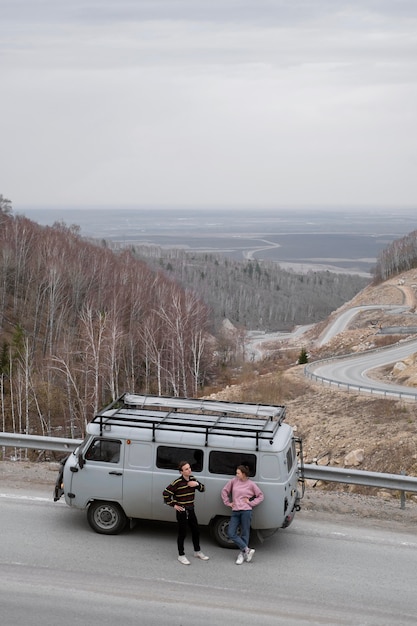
pixel 236 491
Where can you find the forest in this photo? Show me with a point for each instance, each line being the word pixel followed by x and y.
pixel 81 323
pixel 399 256
pixel 255 295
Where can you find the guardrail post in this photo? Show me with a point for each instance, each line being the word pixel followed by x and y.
pixel 402 493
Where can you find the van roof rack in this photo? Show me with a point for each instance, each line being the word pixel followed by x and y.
pixel 210 417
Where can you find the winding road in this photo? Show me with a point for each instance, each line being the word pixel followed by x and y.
pixel 352 371
pixel 345 318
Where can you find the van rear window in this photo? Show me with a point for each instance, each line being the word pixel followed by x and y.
pixel 169 457
pixel 227 462
pixel 290 457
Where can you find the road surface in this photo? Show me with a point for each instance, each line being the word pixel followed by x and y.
pixel 55 570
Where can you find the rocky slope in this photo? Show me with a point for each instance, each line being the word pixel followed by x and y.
pixel 341 428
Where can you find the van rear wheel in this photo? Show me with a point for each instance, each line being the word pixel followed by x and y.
pixel 218 532
pixel 106 518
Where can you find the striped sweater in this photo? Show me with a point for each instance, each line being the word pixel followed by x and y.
pixel 179 492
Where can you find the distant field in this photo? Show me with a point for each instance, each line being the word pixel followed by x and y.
pixel 341 240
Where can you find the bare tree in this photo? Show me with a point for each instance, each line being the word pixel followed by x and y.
pixel 112 353
pixel 78 409
pixel 93 325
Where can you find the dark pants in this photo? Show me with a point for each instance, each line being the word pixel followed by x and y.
pixel 184 519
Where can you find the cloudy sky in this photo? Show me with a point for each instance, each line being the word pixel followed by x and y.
pixel 208 102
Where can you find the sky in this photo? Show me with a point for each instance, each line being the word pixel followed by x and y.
pixel 259 103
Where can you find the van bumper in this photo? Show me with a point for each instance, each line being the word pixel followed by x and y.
pixel 290 516
pixel 288 519
pixel 59 483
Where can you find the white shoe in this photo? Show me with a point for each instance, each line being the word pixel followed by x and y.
pixel 240 558
pixel 248 555
pixel 183 559
pixel 201 555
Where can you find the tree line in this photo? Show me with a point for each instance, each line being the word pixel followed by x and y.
pixel 399 256
pixel 81 324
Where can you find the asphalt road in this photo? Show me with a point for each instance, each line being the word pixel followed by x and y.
pixel 355 370
pixel 55 570
pixel 342 321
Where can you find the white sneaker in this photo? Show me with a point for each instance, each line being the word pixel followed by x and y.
pixel 248 555
pixel 183 559
pixel 201 555
pixel 240 558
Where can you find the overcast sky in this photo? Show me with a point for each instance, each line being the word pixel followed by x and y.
pixel 208 102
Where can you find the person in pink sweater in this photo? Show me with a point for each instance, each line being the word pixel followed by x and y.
pixel 241 494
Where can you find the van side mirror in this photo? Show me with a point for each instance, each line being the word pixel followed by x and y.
pixel 81 461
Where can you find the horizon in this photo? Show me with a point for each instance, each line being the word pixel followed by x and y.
pixel 344 241
pixel 219 207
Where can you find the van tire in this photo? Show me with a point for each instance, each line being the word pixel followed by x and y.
pixel 218 532
pixel 106 518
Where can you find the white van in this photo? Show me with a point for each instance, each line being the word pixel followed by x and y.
pixel 133 447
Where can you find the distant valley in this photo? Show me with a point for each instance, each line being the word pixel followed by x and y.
pixel 343 241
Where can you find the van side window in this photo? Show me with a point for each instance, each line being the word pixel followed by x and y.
pixel 227 462
pixel 168 457
pixel 106 450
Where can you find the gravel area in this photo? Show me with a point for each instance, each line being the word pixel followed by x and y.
pixel 375 511
pixel 19 474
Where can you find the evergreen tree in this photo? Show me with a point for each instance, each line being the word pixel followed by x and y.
pixel 303 357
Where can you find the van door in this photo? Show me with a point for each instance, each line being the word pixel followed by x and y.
pixel 101 474
pixel 137 479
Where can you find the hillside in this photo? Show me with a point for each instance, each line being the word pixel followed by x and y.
pixel 81 323
pixel 335 424
pixel 252 294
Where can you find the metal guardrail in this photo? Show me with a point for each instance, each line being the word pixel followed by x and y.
pixel 324 473
pixel 387 393
pixel 37 442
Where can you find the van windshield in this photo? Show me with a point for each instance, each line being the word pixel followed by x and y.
pixel 107 450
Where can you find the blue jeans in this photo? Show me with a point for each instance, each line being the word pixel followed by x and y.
pixel 242 519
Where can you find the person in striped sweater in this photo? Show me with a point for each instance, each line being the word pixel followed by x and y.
pixel 180 496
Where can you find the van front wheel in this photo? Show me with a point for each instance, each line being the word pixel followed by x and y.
pixel 218 532
pixel 106 518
